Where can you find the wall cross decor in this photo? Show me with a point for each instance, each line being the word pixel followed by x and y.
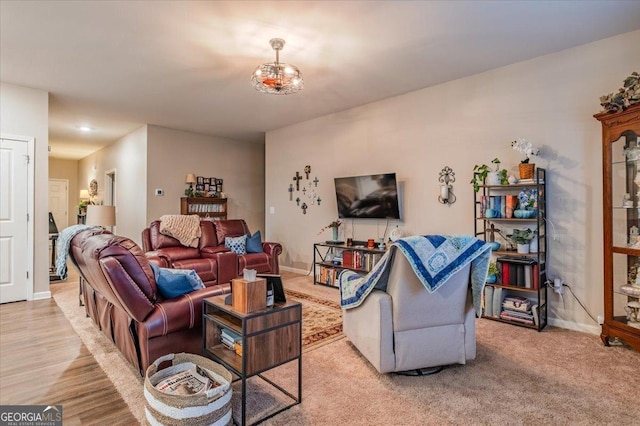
pixel 297 178
pixel 309 193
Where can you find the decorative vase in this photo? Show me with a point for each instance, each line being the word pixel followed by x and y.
pixel 523 248
pixel 491 279
pixel 533 245
pixel 335 234
pixel 493 178
pixel 526 170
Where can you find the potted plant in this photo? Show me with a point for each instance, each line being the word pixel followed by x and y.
pixel 482 173
pixel 525 168
pixel 492 273
pixel 335 225
pixel 521 238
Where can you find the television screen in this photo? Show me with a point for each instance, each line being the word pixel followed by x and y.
pixel 371 197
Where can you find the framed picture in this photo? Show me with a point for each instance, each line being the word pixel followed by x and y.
pixel 207 181
pixel 200 180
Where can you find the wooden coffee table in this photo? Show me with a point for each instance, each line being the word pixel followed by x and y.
pixel 270 337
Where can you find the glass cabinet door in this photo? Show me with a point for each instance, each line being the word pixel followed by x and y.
pixel 625 204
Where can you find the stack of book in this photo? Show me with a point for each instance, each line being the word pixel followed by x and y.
pixel 519 309
pixel 519 271
pixel 229 338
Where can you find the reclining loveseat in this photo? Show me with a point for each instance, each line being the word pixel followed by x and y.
pixel 121 296
pixel 212 260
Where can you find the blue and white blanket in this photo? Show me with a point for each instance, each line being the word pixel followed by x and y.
pixel 434 259
pixel 62 247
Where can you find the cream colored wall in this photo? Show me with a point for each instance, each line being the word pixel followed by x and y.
pixel 67 169
pixel 25 112
pixel 174 153
pixel 128 157
pixel 549 101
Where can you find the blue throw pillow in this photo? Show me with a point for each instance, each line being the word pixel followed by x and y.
pixel 176 282
pixel 237 245
pixel 254 243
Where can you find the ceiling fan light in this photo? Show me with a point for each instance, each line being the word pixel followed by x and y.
pixel 275 77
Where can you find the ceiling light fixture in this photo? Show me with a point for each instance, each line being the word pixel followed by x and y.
pixel 85 128
pixel 277 77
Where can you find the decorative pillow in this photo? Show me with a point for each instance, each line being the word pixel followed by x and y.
pixel 237 245
pixel 176 282
pixel 254 243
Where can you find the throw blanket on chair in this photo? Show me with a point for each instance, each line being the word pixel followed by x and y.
pixel 184 228
pixel 434 259
pixel 62 247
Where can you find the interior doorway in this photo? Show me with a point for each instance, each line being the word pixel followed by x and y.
pixel 59 201
pixel 16 223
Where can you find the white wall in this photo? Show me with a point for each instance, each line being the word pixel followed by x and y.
pixel 172 154
pixel 548 100
pixel 128 157
pixel 25 112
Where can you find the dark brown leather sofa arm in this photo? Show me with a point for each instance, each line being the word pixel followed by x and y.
pixel 158 259
pixel 273 250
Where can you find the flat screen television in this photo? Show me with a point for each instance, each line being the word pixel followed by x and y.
pixel 368 197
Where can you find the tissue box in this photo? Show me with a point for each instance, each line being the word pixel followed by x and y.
pixel 248 296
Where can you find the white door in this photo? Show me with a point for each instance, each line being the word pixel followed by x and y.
pixel 59 201
pixel 13 221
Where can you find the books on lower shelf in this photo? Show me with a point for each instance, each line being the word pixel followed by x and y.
pixel 328 276
pixel 229 338
pixel 498 303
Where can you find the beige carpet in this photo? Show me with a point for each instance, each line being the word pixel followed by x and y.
pixel 520 377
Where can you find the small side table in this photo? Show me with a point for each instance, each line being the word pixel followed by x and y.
pixel 270 337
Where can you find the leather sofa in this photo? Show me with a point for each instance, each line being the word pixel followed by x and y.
pixel 212 260
pixel 121 296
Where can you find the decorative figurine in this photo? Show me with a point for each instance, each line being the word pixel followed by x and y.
pixel 627 202
pixel 633 235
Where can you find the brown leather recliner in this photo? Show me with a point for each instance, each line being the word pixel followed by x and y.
pixel 121 296
pixel 211 254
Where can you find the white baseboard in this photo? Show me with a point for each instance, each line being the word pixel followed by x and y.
pixel 295 270
pixel 570 325
pixel 42 295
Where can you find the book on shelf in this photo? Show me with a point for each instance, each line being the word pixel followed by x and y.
pixel 535 313
pixel 519 271
pixel 511 316
pixel 488 301
pixel 516 303
pixel 497 301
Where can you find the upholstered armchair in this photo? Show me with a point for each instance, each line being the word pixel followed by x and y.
pixel 408 328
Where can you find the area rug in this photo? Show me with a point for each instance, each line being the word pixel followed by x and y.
pixel 321 320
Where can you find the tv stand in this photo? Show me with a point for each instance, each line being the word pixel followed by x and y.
pixel 356 258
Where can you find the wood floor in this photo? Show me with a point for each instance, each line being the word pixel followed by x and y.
pixel 44 362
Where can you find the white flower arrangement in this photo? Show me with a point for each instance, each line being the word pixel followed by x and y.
pixel 525 147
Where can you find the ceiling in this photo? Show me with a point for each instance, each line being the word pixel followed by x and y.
pixel 115 66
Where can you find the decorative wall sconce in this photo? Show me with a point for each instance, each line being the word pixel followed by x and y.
pixel 447 177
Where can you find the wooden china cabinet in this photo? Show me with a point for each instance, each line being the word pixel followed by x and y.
pixel 621 203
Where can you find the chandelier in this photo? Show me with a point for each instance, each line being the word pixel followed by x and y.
pixel 277 77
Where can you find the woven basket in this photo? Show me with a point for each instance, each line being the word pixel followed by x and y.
pixel 211 408
pixel 526 170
